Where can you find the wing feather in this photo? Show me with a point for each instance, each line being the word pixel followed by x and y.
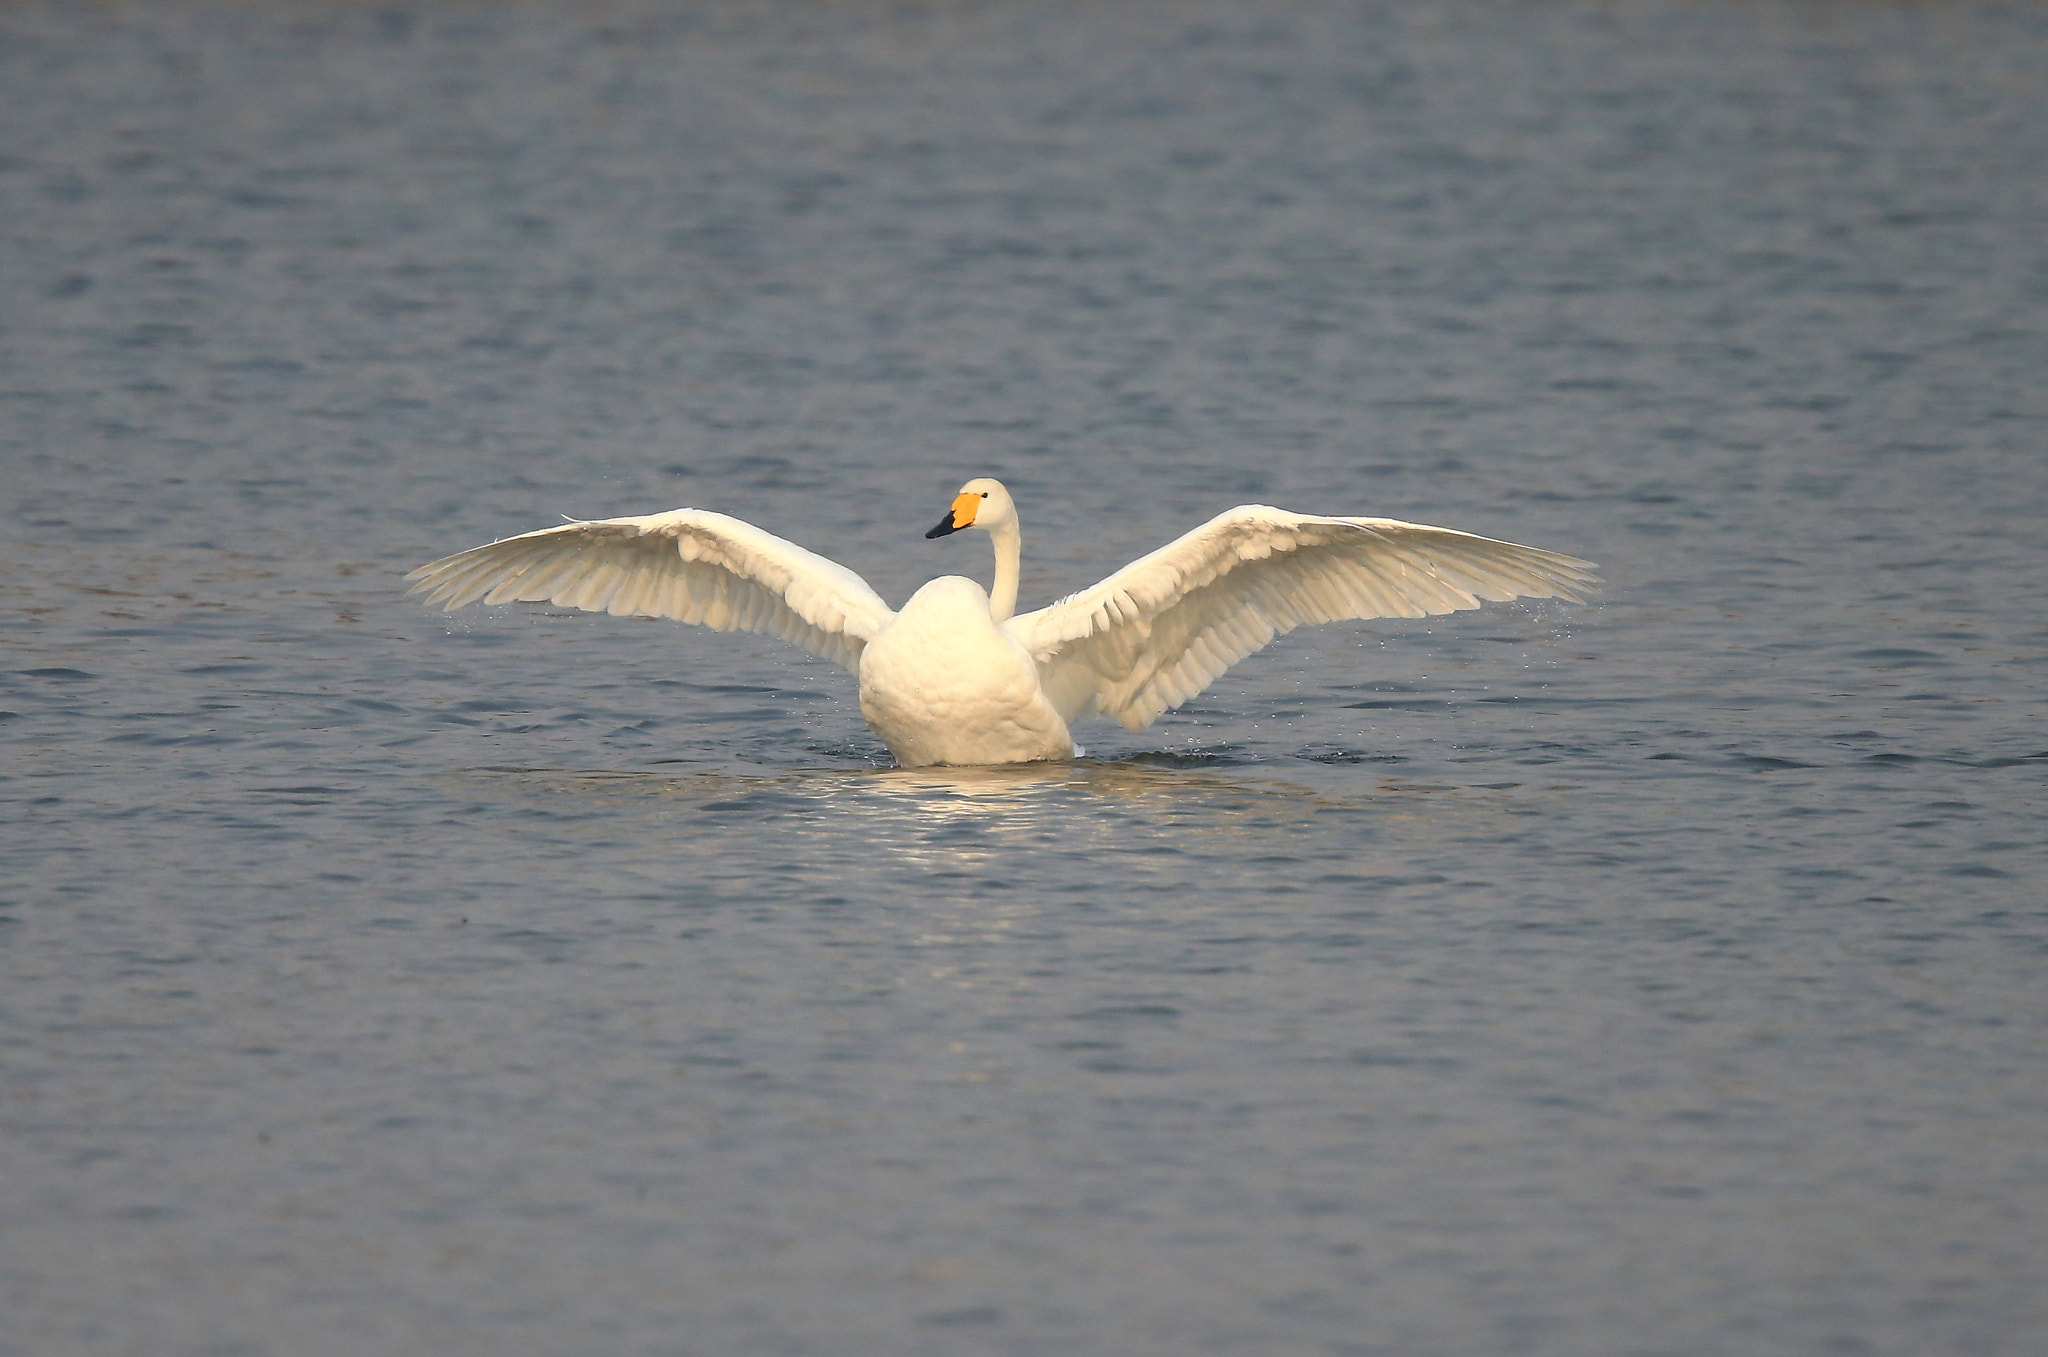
pixel 1163 628
pixel 690 564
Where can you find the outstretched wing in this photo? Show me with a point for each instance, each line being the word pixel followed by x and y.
pixel 688 564
pixel 1164 627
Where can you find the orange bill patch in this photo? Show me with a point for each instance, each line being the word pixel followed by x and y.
pixel 963 510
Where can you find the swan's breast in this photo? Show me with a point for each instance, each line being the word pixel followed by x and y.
pixel 943 684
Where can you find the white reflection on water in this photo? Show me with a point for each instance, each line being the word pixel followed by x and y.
pixel 981 823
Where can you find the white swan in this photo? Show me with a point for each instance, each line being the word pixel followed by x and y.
pixel 957 677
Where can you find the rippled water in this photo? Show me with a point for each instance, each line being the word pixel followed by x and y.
pixel 1664 976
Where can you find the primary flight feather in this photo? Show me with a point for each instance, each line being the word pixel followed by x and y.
pixel 958 676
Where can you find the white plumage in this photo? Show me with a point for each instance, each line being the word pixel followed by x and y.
pixel 956 677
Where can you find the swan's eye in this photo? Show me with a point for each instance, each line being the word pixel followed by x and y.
pixel 984 494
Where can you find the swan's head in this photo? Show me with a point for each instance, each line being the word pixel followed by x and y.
pixel 981 503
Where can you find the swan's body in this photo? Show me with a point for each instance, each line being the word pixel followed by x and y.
pixel 956 676
pixel 945 684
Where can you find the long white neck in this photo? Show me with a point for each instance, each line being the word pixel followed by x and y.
pixel 1002 600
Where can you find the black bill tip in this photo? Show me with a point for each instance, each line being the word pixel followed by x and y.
pixel 945 526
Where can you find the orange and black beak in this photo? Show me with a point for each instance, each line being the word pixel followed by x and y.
pixel 961 515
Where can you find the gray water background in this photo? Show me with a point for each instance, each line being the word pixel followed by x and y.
pixel 1667 976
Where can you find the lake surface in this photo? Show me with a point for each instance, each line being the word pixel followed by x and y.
pixel 1662 976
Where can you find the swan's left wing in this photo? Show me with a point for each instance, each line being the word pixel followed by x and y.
pixel 1164 627
pixel 689 564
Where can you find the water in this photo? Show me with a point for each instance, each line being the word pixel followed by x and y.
pixel 1667 976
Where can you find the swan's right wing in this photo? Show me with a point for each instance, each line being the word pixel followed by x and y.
pixel 689 564
pixel 1164 627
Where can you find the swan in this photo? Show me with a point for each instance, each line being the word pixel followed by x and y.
pixel 958 676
